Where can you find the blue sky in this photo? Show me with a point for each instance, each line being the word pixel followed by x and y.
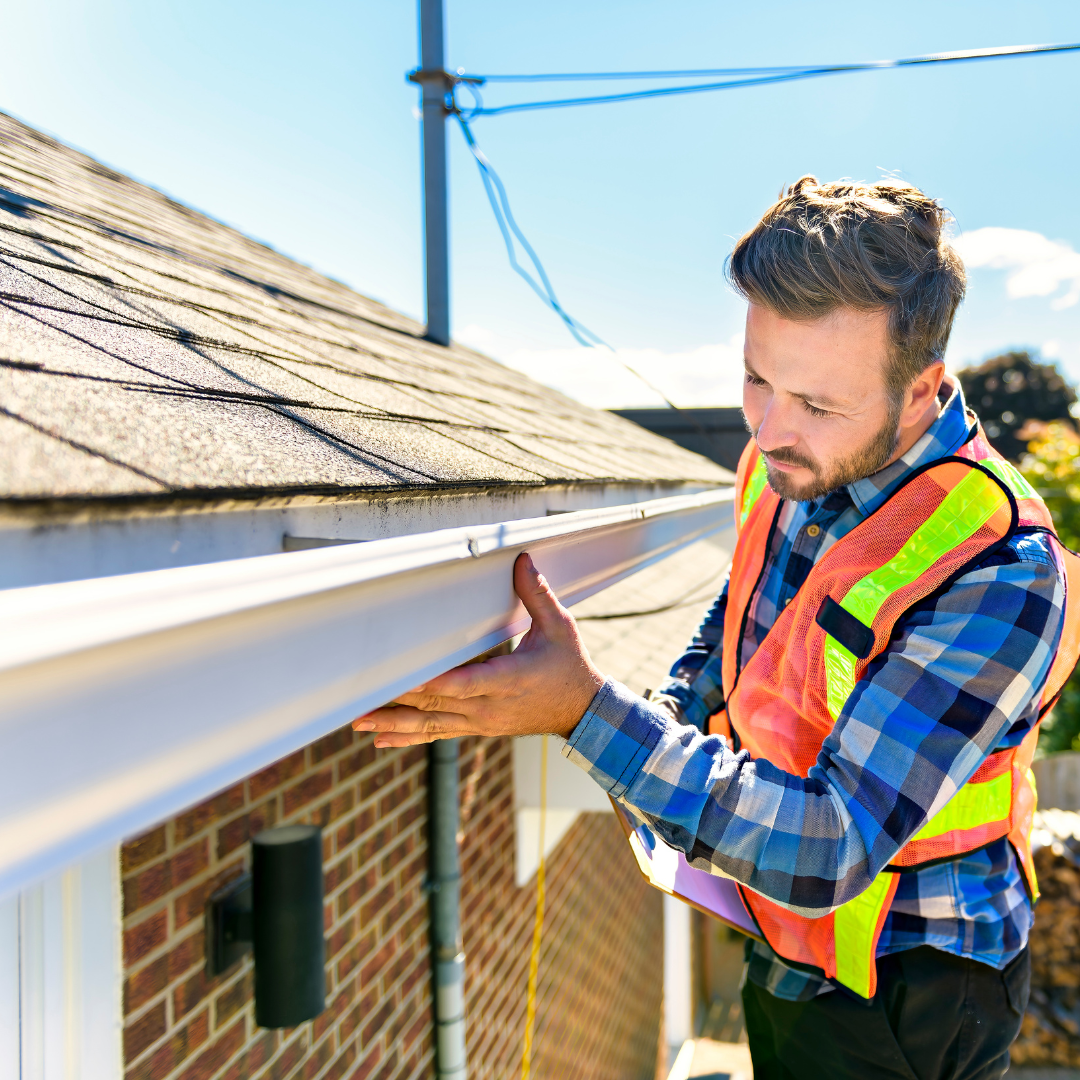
pixel 294 123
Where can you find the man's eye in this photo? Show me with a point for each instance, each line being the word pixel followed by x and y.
pixel 813 410
pixel 753 380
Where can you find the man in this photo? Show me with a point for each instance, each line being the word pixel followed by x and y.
pixel 848 735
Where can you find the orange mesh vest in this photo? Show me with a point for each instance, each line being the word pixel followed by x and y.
pixel 940 521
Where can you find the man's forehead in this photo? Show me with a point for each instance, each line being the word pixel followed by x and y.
pixel 840 357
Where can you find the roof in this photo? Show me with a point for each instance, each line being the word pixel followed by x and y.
pixel 147 351
pixel 658 610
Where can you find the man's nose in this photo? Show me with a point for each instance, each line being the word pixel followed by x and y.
pixel 776 428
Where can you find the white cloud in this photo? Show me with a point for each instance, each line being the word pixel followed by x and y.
pixel 706 376
pixel 1036 265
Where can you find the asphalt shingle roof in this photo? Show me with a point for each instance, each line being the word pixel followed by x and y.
pixel 148 350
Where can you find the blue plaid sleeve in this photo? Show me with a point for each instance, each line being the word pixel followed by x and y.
pixel 961 678
pixel 693 692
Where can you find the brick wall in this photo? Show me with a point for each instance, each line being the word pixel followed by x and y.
pixel 599 983
pixel 599 987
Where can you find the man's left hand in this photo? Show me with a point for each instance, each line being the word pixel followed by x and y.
pixel 544 686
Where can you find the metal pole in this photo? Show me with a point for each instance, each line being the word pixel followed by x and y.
pixel 444 883
pixel 434 82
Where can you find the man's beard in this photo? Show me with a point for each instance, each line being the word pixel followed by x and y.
pixel 855 466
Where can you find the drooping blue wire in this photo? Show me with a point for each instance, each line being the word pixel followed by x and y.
pixel 508 226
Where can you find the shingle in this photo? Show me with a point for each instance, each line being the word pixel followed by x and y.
pixel 144 345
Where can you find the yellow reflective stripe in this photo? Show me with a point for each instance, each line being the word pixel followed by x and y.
pixel 1030 862
pixel 1011 477
pixel 963 511
pixel 854 924
pixel 754 487
pixel 972 805
pixel 839 675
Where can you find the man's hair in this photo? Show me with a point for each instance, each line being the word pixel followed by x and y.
pixel 870 247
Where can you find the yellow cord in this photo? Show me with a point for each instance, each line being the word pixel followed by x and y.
pixel 534 959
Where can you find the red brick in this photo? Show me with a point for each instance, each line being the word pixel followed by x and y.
pixel 374 1022
pixel 146 886
pixel 233 998
pixel 357 889
pixel 274 776
pixel 142 849
pixel 378 780
pixel 144 937
pixel 206 813
pixel 335 876
pixel 359 759
pixel 240 829
pixel 375 843
pixel 341 1064
pixel 163 1060
pixel 393 798
pixel 255 1057
pixel 308 790
pixel 349 962
pixel 317 1059
pixel 377 962
pixel 419 1029
pixel 414 755
pixel 376 904
pixel 192 904
pixel 397 855
pixel 144 1032
pixel 330 1015
pixel 186 955
pixel 332 744
pixel 191 992
pixel 286 1062
pixel 192 860
pixel 368 1064
pixel 340 938
pixel 386 1069
pixel 145 983
pixel 215 1056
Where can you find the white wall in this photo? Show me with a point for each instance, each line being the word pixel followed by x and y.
pixel 678 997
pixel 61 1012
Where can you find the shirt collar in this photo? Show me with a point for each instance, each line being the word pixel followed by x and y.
pixel 944 437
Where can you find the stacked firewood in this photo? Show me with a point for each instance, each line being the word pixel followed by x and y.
pixel 1050 1035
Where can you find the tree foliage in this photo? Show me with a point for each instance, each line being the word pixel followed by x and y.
pixel 1009 391
pixel 1053 467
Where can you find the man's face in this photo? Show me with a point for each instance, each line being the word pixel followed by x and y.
pixel 815 399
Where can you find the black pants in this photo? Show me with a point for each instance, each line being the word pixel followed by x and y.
pixel 935 1017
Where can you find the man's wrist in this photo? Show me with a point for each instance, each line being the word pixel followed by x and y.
pixel 596 684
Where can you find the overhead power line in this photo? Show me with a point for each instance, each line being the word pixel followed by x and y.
pixel 741 77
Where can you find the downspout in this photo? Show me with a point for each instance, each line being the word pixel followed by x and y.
pixel 444 884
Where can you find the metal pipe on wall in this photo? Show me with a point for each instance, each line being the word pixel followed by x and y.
pixel 444 885
pixel 434 84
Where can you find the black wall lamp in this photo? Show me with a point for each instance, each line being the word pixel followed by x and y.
pixel 277 911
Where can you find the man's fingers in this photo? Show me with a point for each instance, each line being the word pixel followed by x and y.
pixel 548 615
pixel 405 719
pixel 462 683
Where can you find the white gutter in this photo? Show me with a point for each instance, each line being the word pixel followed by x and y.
pixel 126 699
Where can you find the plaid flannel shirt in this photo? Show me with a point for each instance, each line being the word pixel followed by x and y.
pixel 962 677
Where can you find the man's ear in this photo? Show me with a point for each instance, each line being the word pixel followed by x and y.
pixel 922 394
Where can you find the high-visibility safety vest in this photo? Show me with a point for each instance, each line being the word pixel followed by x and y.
pixel 942 519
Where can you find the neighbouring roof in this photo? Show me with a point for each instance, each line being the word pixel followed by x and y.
pixel 148 350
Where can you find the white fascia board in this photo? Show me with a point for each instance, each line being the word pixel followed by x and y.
pixel 125 699
pixel 46 544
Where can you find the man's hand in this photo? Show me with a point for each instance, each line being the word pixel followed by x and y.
pixel 544 686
